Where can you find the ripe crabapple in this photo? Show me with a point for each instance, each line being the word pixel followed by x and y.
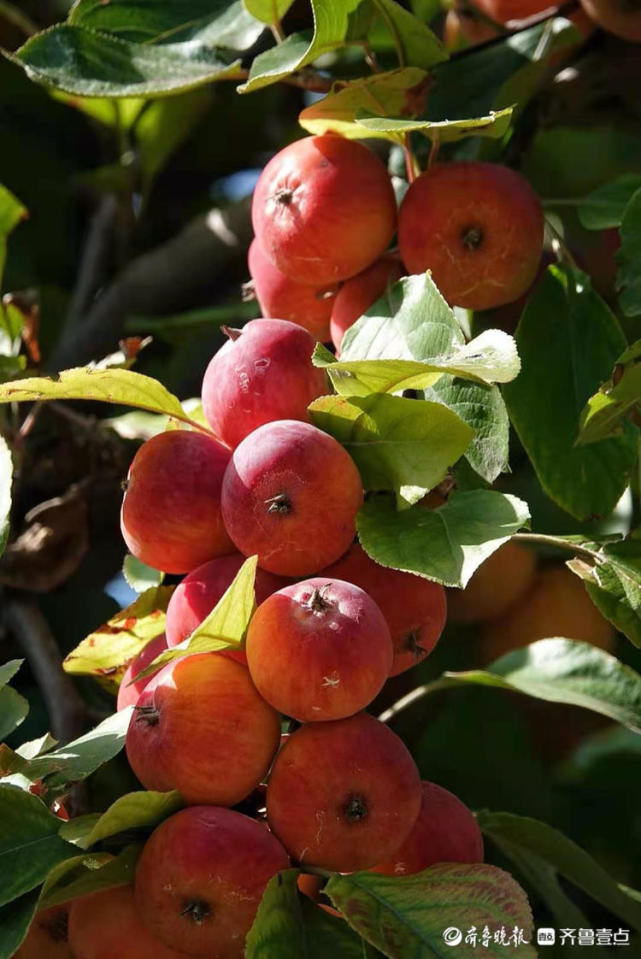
pixel 478 227
pixel 170 516
pixel 264 373
pixel 343 795
pixel 283 297
pixel 445 831
pixel 290 495
pixel 128 691
pixel 201 876
pixel 324 209
pixel 415 608
pixel 360 292
pixel 319 650
pixel 48 935
pixel 201 727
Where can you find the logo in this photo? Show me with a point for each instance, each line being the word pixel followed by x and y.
pixel 452 936
pixel 545 937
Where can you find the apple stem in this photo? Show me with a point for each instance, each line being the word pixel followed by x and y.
pixel 231 333
pixel 279 504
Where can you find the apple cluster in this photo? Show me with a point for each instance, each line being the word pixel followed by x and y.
pixel 270 745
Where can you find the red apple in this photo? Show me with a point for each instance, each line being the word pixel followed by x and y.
pixel 170 516
pixel 129 691
pixel 193 599
pixel 477 227
pixel 290 495
pixel 343 795
pixel 200 879
pixel 319 650
pixel 415 608
pixel 445 831
pixel 283 297
pixel 513 11
pixel 107 925
pixel 360 292
pixel 48 936
pixel 324 209
pixel 264 374
pixel 201 727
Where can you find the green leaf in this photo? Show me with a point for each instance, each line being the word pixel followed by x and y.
pixel 9 670
pixel 566 671
pixel 29 842
pixel 14 708
pixel 605 411
pixel 396 93
pixel 91 64
pixel 225 626
pixel 406 917
pixel 629 258
pixel 332 23
pixel 604 207
pixel 289 926
pixel 445 544
pixel 489 358
pixel 398 444
pixel 105 386
pixel 36 747
pixel 15 919
pixel 493 125
pixel 140 576
pixel 89 873
pixel 268 11
pixel 139 810
pixel 416 45
pixel 568 341
pixel 216 23
pixel 518 836
pixel 11 212
pixel 78 759
pixel 107 651
pixel 613 582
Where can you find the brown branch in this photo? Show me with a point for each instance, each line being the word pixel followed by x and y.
pixel 63 702
pixel 158 281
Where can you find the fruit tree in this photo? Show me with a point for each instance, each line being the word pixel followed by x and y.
pixel 320 502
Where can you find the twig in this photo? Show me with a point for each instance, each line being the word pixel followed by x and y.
pixel 17 18
pixel 413 697
pixel 64 704
pixel 93 263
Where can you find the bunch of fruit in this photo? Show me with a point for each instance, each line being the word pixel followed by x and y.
pixel 343 792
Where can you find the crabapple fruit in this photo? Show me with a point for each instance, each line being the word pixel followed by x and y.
pixel 319 650
pixel 170 516
pixel 415 608
pixel 478 227
pixel 201 727
pixel 106 924
pixel 343 795
pixel 324 209
pixel 282 297
pixel 508 11
pixel 264 374
pixel 48 935
pixel 359 293
pixel 445 831
pixel 201 876
pixel 290 495
pixel 128 691
pixel 497 584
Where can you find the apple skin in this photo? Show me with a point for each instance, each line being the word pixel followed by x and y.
pixel 201 727
pixel 265 374
pixel 195 597
pixel 48 936
pixel 319 650
pixel 359 293
pixel 556 604
pixel 210 864
pixel 415 608
pixel 478 227
pixel 324 209
pixel 463 29
pixel 343 795
pixel 290 495
pixel 128 692
pixel 509 11
pixel 282 297
pixel 445 831
pixel 496 585
pixel 171 517
pixel 107 924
